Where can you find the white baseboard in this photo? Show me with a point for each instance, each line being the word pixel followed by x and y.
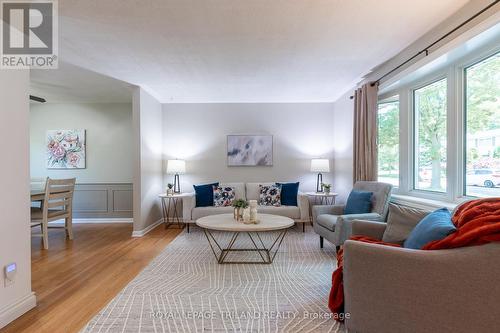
pixel 99 220
pixel 140 233
pixel 16 310
pixel 104 220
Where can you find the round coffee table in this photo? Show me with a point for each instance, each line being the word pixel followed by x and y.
pixel 226 222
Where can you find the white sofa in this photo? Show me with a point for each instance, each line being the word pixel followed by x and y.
pixel 248 191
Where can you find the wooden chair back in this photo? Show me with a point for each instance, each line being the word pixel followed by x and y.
pixel 59 195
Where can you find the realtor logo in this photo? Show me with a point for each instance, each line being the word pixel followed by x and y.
pixel 29 34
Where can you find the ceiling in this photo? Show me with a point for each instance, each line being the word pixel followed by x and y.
pixel 72 84
pixel 202 51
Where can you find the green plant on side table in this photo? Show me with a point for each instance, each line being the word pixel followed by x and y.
pixel 326 187
pixel 238 206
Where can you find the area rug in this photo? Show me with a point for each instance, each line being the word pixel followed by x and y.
pixel 184 289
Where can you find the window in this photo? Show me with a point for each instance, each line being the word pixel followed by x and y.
pixel 482 128
pixel 388 142
pixel 439 126
pixel 430 137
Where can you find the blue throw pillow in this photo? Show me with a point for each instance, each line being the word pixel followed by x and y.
pixel 359 202
pixel 205 194
pixel 435 226
pixel 289 192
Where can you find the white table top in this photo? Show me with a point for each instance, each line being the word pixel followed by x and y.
pixel 226 222
pixel 321 194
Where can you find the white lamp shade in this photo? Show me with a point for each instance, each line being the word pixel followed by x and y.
pixel 320 165
pixel 176 167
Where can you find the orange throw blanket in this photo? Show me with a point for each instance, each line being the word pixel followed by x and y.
pixel 477 222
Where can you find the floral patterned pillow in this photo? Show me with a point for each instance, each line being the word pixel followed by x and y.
pixel 223 196
pixel 270 195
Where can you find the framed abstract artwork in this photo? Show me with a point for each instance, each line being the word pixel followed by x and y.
pixel 65 149
pixel 249 150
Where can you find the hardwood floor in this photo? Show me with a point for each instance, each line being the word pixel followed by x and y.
pixel 73 280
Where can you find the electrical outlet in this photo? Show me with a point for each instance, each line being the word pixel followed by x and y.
pixel 10 271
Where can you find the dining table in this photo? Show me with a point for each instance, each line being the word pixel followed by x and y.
pixel 37 192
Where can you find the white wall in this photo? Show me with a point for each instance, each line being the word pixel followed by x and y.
pixel 147 123
pixel 108 138
pixel 14 199
pixel 197 133
pixel 343 137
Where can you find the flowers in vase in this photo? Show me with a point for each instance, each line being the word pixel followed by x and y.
pixel 170 189
pixel 326 187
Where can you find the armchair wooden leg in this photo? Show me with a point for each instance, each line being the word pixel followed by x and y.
pixel 304 227
pixel 188 227
pixel 320 242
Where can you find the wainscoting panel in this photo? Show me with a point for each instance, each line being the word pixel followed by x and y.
pixel 90 200
pixel 102 201
pixel 122 200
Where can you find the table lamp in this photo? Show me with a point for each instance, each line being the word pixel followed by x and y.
pixel 320 165
pixel 176 167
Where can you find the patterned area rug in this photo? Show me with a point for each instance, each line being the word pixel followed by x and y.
pixel 184 289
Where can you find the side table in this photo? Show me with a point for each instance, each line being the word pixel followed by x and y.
pixel 170 209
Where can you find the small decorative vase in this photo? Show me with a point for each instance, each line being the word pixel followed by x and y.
pixel 246 215
pixel 253 211
pixel 170 191
pixel 238 213
pixel 327 191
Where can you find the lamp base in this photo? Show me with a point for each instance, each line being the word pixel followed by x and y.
pixel 319 182
pixel 177 184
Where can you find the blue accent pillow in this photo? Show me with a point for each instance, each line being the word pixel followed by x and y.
pixel 289 192
pixel 359 202
pixel 205 194
pixel 435 226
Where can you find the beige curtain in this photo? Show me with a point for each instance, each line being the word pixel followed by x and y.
pixel 365 133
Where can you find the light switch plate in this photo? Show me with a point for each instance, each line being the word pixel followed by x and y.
pixel 9 271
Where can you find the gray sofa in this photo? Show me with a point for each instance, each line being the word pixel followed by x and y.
pixel 331 223
pixel 389 289
pixel 248 191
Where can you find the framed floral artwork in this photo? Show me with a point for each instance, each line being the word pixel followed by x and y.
pixel 66 149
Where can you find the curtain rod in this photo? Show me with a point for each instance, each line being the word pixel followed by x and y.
pixel 426 49
pixel 37 99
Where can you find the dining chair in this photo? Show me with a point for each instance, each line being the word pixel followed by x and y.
pixel 57 205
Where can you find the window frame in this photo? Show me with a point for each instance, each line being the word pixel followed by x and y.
pixel 461 71
pixel 414 174
pixel 391 99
